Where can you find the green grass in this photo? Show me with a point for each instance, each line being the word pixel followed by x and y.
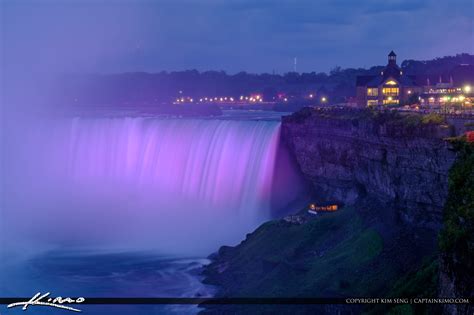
pixel 323 256
pixel 422 282
pixel 408 120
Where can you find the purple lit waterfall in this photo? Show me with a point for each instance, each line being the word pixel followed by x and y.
pixel 208 164
pixel 174 185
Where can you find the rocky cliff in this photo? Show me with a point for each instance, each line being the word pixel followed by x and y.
pixel 398 160
pixel 389 172
pixel 456 240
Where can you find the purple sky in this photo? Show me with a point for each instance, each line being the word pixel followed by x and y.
pixel 245 35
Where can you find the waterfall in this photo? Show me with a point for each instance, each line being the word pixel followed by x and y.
pixel 176 185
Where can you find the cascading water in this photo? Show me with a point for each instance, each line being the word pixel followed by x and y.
pixel 172 185
pixel 116 206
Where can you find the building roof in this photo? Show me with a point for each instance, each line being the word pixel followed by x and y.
pixel 408 80
pixel 362 80
pixel 376 81
pixel 459 75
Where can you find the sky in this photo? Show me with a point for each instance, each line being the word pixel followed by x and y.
pixel 231 35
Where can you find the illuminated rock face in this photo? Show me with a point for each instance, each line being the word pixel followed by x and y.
pixel 185 185
pixel 352 160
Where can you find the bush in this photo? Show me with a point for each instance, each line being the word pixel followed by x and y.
pixel 433 118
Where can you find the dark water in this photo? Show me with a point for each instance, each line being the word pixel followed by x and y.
pixel 90 274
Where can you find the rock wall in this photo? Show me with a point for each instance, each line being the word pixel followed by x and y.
pixel 349 157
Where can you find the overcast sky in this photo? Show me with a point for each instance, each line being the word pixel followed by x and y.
pixel 245 35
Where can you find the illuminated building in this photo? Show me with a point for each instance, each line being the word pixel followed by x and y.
pixel 451 89
pixel 391 86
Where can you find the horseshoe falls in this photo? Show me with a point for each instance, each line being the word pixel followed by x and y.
pixel 177 186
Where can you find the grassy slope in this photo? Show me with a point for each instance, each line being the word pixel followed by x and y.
pixel 330 255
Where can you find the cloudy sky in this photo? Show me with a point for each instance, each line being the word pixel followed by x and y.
pixel 231 35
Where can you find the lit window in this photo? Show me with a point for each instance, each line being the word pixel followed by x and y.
pixel 372 102
pixel 390 101
pixel 390 91
pixel 391 82
pixel 372 92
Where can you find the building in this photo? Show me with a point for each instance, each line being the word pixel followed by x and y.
pixel 391 86
pixel 454 89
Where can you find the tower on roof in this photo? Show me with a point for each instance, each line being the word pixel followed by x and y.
pixel 392 57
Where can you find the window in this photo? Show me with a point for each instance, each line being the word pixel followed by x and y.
pixel 391 82
pixel 372 102
pixel 390 101
pixel 372 92
pixel 390 91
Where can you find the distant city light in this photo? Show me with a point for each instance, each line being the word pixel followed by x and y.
pixel 311 96
pixel 323 99
pixel 409 91
pixel 467 88
pixel 285 99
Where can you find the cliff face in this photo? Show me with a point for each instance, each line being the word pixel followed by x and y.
pixel 402 163
pixel 456 240
pixel 390 171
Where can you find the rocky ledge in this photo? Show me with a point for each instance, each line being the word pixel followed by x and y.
pixel 401 160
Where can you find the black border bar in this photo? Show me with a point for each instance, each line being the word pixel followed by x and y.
pixel 214 301
pixel 225 301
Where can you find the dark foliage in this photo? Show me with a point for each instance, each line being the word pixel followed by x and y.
pixel 457 237
pixel 153 88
